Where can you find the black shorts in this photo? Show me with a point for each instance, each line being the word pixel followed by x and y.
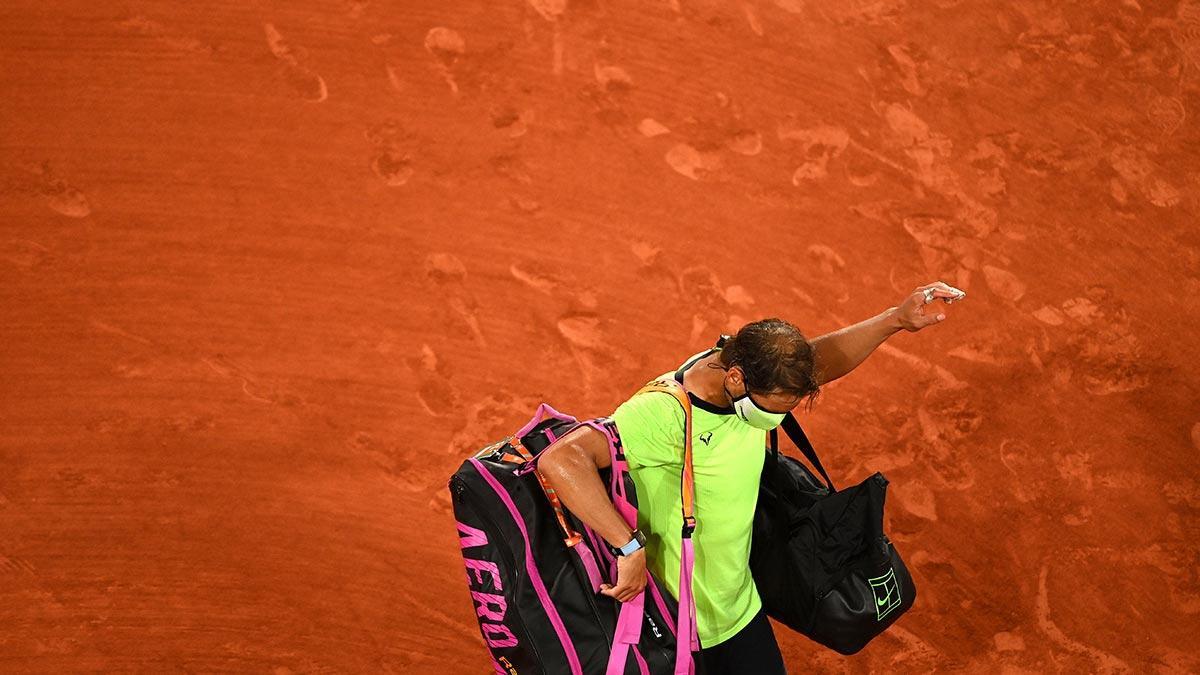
pixel 753 649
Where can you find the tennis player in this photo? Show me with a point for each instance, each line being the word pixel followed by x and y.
pixel 739 391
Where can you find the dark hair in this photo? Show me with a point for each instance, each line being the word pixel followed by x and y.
pixel 775 357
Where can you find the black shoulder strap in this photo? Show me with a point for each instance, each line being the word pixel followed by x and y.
pixel 792 428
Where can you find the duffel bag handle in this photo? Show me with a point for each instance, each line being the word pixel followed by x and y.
pixel 543 411
pixel 792 428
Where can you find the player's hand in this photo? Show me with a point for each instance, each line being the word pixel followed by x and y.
pixel 915 313
pixel 631 577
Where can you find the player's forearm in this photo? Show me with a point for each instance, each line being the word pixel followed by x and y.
pixel 576 480
pixel 839 352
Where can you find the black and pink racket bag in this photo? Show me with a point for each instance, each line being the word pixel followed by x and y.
pixel 534 570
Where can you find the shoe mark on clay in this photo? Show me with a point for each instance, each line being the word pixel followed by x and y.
pixel 806 298
pixel 700 288
pixel 1074 466
pixel 733 131
pixel 169 38
pixel 537 282
pixel 1076 149
pixel 930 152
pixel 449 274
pixel 710 134
pixel 25 254
pixel 818 145
pixel 524 205
pixel 612 78
pixel 916 498
pixel 489 419
pixel 1049 315
pixel 293 61
pixel 647 254
pixel 1031 471
pixel 1172 556
pixel 612 86
pixel 829 260
pixel 691 162
pixel 651 128
pixel 435 387
pixel 12 565
pixel 552 11
pixel 978 352
pixel 863 12
pixel 600 360
pixel 391 158
pixel 924 147
pixel 394 464
pixel 513 167
pixel 790 6
pixel 1099 344
pixel 1165 113
pixel 187 423
pixel 115 330
pixel 752 18
pixel 394 77
pixel 950 472
pixel 1104 662
pixel 725 127
pixel 989 161
pixel 944 242
pixel 254 390
pixel 1185 31
pixel 947 417
pixel 746 142
pixel 1003 283
pixel 916 654
pixel 512 122
pixel 582 330
pixel 1135 170
pixel 903 60
pixel 737 296
pixel 61 196
pixel 447 47
pixel 652 265
pixel 859 170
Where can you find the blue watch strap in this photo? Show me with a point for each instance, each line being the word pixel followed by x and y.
pixel 633 545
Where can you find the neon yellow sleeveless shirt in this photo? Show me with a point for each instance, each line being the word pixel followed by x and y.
pixel 727 461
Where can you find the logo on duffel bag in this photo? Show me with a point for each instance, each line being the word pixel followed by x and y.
pixel 887 593
pixel 482 576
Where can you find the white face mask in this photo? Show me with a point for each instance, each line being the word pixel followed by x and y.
pixel 752 414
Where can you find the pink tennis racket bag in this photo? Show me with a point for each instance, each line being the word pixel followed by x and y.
pixel 534 570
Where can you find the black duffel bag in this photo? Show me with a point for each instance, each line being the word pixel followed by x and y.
pixel 820 559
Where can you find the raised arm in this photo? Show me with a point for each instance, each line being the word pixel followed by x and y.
pixel 839 352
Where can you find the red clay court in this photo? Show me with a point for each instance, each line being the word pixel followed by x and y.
pixel 269 271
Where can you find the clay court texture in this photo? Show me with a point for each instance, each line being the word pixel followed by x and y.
pixel 270 271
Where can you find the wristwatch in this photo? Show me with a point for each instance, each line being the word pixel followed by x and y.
pixel 638 541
